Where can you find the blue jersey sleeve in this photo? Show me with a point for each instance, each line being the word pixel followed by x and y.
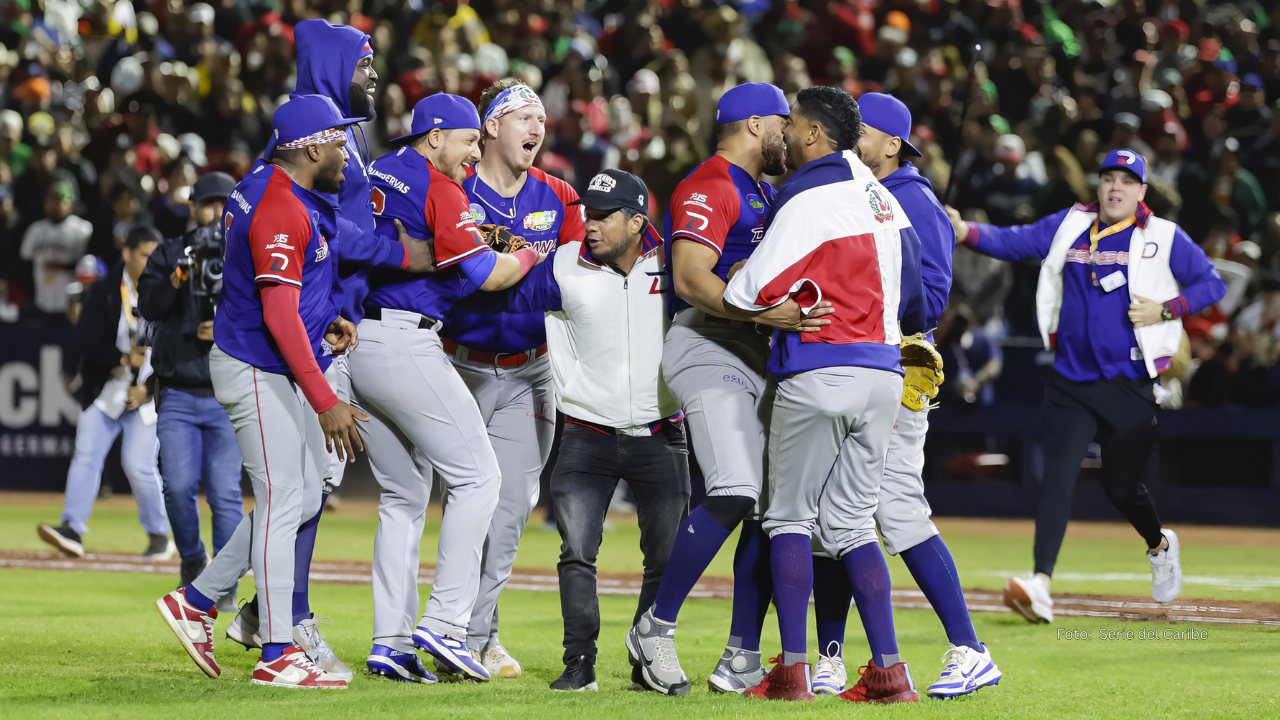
pixel 911 311
pixel 1020 242
pixel 937 244
pixel 1201 284
pixel 477 267
pixel 538 291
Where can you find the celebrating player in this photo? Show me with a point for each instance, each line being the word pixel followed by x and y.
pixel 423 415
pixel 903 513
pixel 1111 345
pixel 835 234
pixel 713 362
pixel 275 326
pixel 500 354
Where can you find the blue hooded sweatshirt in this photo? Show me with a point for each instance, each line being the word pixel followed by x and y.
pixel 327 57
pixel 937 238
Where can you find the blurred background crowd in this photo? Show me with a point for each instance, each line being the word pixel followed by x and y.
pixel 110 110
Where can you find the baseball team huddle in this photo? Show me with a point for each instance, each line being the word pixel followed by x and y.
pixel 439 307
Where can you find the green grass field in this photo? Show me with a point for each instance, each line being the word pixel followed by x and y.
pixel 90 644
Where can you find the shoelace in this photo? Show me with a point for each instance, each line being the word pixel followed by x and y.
pixel 668 660
pixel 953 661
pixel 316 641
pixel 304 661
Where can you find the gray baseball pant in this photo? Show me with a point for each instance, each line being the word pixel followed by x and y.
pixel 903 513
pixel 422 414
pixel 519 412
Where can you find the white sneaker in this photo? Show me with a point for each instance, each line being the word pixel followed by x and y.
pixel 306 635
pixel 1029 597
pixel 499 662
pixel 244 627
pixel 829 675
pixel 964 671
pixel 1166 569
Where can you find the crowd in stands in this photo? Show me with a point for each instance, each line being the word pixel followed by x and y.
pixel 109 110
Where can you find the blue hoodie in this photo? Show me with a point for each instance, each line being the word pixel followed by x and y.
pixel 937 238
pixel 327 57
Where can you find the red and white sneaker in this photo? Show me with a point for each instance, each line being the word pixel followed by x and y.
pixel 193 628
pixel 295 670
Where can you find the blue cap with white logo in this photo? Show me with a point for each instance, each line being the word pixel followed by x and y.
pixel 890 116
pixel 743 101
pixel 1125 159
pixel 441 111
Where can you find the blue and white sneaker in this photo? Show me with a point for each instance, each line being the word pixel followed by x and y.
pixel 964 671
pixel 829 674
pixel 454 654
pixel 398 666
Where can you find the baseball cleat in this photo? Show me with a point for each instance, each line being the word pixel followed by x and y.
pixel 398 666
pixel 499 662
pixel 306 635
pixel 193 628
pixel 579 676
pixel 651 644
pixel 965 670
pixel 1029 597
pixel 882 685
pixel 829 675
pixel 1166 569
pixel 453 653
pixel 159 547
pixel 784 682
pixel 244 627
pixel 63 538
pixel 737 671
pixel 295 671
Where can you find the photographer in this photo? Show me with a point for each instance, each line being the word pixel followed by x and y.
pixel 178 292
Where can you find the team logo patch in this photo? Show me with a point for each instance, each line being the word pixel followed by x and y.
pixel 1124 157
pixel 477 213
pixel 755 203
pixel 539 221
pixel 602 183
pixel 880 206
pixel 322 252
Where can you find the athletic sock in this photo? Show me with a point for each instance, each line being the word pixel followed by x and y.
pixel 697 542
pixel 303 548
pixel 272 651
pixel 752 587
pixel 869 575
pixel 832 594
pixel 791 556
pixel 197 600
pixel 934 571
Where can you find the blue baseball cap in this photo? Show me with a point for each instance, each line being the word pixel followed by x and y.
pixel 1125 159
pixel 441 111
pixel 887 114
pixel 305 117
pixel 743 101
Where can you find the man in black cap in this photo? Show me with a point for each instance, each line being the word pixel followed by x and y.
pixel 178 292
pixel 606 305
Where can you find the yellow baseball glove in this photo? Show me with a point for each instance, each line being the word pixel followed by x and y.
pixel 923 366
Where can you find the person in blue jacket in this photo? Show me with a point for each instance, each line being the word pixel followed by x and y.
pixel 903 512
pixel 1115 283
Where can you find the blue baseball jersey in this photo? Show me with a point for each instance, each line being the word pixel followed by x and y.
pixel 277 232
pixel 431 206
pixel 541 214
pixel 721 206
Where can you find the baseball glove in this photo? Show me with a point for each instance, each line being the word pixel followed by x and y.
pixel 923 366
pixel 501 239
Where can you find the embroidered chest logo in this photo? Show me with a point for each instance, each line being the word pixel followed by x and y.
pixel 880 206
pixel 755 203
pixel 540 221
pixel 477 213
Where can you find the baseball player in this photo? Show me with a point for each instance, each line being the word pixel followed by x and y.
pixel 501 355
pixel 1115 283
pixel 835 234
pixel 713 362
pixel 902 514
pixel 275 329
pixel 335 61
pixel 423 415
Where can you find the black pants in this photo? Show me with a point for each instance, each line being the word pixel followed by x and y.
pixel 1121 414
pixel 588 469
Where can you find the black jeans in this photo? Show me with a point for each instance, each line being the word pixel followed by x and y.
pixel 1121 414
pixel 586 473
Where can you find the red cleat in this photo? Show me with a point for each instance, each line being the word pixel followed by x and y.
pixel 193 628
pixel 882 685
pixel 784 682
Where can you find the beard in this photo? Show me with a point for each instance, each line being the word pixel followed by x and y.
pixel 331 183
pixel 360 102
pixel 774 152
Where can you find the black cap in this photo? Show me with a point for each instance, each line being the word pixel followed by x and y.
pixel 613 190
pixel 212 185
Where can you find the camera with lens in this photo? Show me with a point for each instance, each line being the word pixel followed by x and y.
pixel 203 262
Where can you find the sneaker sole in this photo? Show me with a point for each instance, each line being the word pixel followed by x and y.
pixel 1016 599
pixel 67 547
pixel 953 696
pixel 186 642
pixel 446 656
pixel 826 690
pixel 506 672
pixel 589 687
pixel 284 686
pixel 394 672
